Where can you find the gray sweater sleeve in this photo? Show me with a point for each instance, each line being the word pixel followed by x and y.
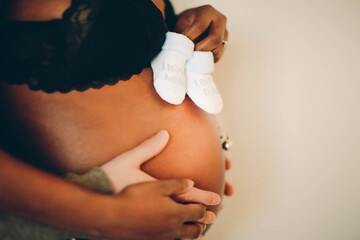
pixel 12 227
pixel 95 179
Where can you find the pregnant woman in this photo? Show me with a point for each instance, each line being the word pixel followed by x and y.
pixel 64 109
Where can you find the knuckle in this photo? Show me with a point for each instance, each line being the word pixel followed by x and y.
pixel 200 211
pixel 176 225
pixel 179 217
pixel 216 40
pixel 186 197
pixel 200 26
pixel 165 184
pixel 179 182
pixel 176 219
pixel 209 7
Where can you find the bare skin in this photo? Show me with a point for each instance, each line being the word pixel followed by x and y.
pixel 78 131
pixel 77 137
pixel 87 129
pixel 205 19
pixel 43 197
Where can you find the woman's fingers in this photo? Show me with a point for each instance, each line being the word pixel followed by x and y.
pixel 229 190
pixel 125 169
pixel 199 196
pixel 193 211
pixel 138 155
pixel 192 230
pixel 150 206
pixel 174 186
pixel 206 27
pixel 147 149
pixel 200 22
pixel 218 52
pixel 215 37
pixel 202 19
pixel 227 164
pixel 208 218
pixel 201 237
pixel 217 46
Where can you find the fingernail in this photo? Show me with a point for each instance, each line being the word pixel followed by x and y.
pixel 216 200
pixel 204 227
pixel 212 220
pixel 163 133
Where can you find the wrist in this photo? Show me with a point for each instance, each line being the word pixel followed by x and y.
pixel 106 216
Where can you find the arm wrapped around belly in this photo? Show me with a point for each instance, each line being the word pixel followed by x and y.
pixel 12 227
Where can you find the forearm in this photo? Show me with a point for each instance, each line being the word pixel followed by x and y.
pixel 30 193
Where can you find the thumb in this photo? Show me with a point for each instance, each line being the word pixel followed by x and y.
pixel 147 149
pixel 120 181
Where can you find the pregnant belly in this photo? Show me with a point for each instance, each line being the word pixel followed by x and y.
pixel 76 131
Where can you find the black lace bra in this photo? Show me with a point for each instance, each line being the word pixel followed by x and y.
pixel 97 42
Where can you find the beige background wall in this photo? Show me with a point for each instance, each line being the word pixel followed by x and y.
pixel 290 80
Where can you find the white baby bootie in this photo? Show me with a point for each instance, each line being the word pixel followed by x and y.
pixel 200 85
pixel 169 67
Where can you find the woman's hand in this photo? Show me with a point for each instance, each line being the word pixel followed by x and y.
pixel 229 190
pixel 125 170
pixel 206 27
pixel 142 211
pixel 146 211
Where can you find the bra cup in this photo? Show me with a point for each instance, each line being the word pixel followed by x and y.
pixel 125 34
pixel 97 42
